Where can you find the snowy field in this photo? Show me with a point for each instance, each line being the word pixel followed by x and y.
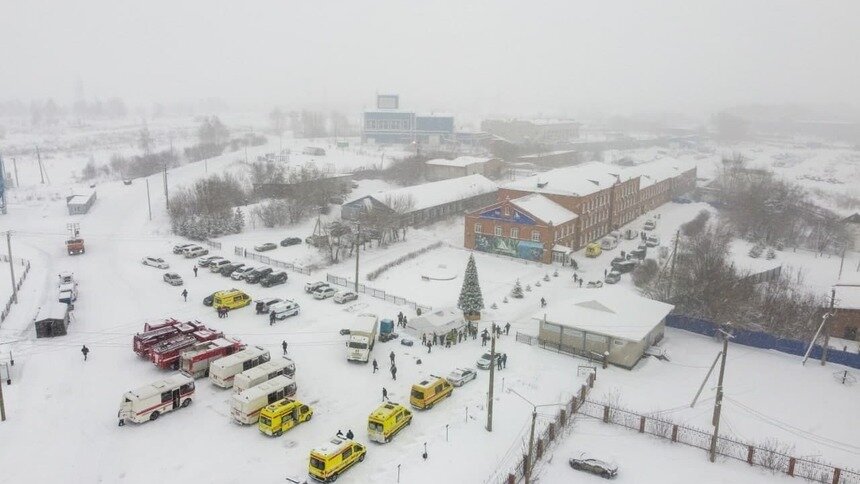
pixel 61 407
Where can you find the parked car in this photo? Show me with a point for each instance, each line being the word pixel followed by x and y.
pixel 177 249
pixel 345 297
pixel 193 252
pixel 594 284
pixel 229 269
pixel 216 266
pixel 173 279
pixel 461 376
pixel 258 275
pixel 612 278
pixel 262 306
pixel 682 200
pixel 484 361
pixel 594 466
pixel 608 243
pixel 291 241
pixel 406 341
pixel 324 292
pixel 311 287
pixel 241 273
pixel 650 225
pixel 155 262
pixel 624 266
pixel 652 241
pixel 265 247
pixel 640 252
pixel 209 259
pixel 274 279
pixel 285 309
pixel 593 250
pixel 207 301
pixel 631 234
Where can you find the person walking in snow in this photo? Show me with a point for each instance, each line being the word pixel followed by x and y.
pixel 271 318
pixel 542 302
pixel 429 347
pixel 504 360
pixel 499 363
pixel 349 434
pixel 393 372
pixel 376 367
pixel 185 294
pixel 284 346
pixel 392 358
pixel 339 433
pixel 405 321
pixel 384 394
pixel 85 351
pixel 580 282
pixel 423 338
pixel 195 270
pixel 507 328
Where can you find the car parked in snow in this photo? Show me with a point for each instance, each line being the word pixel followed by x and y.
pixel 311 287
pixel 258 274
pixel 207 301
pixel 624 266
pixel 650 225
pixel 652 241
pixel 265 247
pixel 209 259
pixel 681 200
pixel 262 306
pixel 608 243
pixel 274 279
pixel 173 279
pixel 193 252
pixel 485 360
pixel 324 292
pixel 229 269
pixel 594 466
pixel 156 262
pixel 291 241
pixel 345 297
pixel 594 284
pixel 216 266
pixel 630 234
pixel 612 278
pixel 284 309
pixel 242 273
pixel 461 376
pixel 178 248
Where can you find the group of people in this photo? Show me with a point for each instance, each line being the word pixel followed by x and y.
pixel 497 330
pixel 401 320
pixel 502 361
pixel 222 312
pixel 349 434
pixel 393 368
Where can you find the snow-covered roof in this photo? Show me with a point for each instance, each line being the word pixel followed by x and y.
pixel 660 170
pixel 578 180
pixel 439 321
pixel 158 387
pixel 461 161
pixel 611 311
pixel 544 209
pixel 79 199
pixel 847 293
pixel 440 192
pixel 53 310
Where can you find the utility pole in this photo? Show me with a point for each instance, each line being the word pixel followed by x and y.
pixel 41 171
pixel 2 405
pixel 672 269
pixel 842 263
pixel 15 166
pixel 492 380
pixel 11 266
pixel 357 251
pixel 718 403
pixel 827 328
pixel 528 469
pixel 166 199
pixel 148 199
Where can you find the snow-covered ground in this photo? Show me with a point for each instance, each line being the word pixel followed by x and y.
pixel 64 409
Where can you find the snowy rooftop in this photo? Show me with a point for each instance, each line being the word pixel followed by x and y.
pixel 440 192
pixel 544 208
pixel 848 293
pixel 79 199
pixel 579 180
pixel 461 161
pixel 155 388
pixel 657 171
pixel 611 311
pixel 53 310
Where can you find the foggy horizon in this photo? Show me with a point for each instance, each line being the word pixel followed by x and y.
pixel 560 59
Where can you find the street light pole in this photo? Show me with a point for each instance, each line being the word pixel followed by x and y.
pixel 528 468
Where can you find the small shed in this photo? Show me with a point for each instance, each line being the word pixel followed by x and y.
pixel 52 320
pixel 609 321
pixel 439 321
pixel 80 204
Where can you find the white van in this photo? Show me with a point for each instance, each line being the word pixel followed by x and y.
pixel 245 406
pixel 609 243
pixel 223 370
pixel 265 372
pixel 150 401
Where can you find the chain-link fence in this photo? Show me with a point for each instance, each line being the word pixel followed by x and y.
pixel 243 252
pixel 377 293
pixel 7 307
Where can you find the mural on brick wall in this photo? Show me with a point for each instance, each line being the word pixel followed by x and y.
pixel 522 249
pixel 517 217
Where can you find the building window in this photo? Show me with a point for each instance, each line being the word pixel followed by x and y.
pixel 535 236
pixel 515 233
pixel 507 211
pixel 477 228
pixel 498 231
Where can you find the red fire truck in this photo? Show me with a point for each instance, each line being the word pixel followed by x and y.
pixel 194 362
pixel 165 354
pixel 156 332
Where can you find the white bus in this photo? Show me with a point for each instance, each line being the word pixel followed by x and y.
pixel 245 406
pixel 150 401
pixel 265 372
pixel 223 370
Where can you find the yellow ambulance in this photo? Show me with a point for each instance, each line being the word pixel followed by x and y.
pixel 593 250
pixel 281 416
pixel 333 458
pixel 388 419
pixel 427 393
pixel 231 299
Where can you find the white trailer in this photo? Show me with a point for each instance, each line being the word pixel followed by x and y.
pixel 150 401
pixel 265 372
pixel 245 406
pixel 362 335
pixel 223 370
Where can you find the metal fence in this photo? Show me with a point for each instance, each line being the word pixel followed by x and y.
pixel 511 473
pixel 769 456
pixel 560 348
pixel 7 307
pixel 212 243
pixel 243 252
pixel 377 293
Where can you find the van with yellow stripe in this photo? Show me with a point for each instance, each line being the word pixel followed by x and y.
pixel 429 392
pixel 386 421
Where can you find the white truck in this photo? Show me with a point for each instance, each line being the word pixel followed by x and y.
pixel 362 335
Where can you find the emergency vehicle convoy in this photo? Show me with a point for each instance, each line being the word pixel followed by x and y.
pixel 224 370
pixel 283 415
pixel 386 421
pixel 165 354
pixel 264 372
pixel 195 361
pixel 333 458
pixel 246 405
pixel 154 333
pixel 150 401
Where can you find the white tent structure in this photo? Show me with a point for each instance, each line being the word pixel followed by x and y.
pixel 439 321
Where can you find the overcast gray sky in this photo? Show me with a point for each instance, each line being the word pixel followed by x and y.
pixel 483 57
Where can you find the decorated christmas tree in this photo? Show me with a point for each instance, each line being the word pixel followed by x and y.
pixel 471 300
pixel 517 291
